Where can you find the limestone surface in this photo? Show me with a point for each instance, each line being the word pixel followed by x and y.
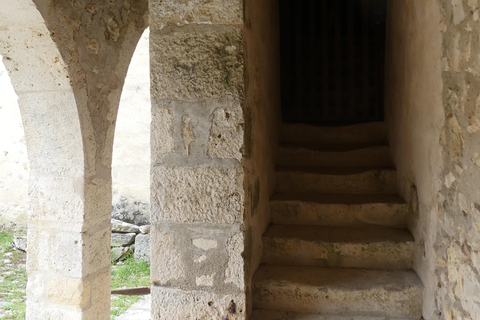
pixel 122 239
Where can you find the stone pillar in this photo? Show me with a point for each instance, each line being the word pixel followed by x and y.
pixel 67 64
pixel 197 178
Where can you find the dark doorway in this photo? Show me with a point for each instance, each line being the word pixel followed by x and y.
pixel 332 60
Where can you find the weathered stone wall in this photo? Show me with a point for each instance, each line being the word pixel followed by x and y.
pixel 458 232
pixel 415 118
pixel 262 105
pixel 432 91
pixel 197 139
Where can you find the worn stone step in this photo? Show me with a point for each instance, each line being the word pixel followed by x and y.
pixel 261 314
pixel 346 247
pixel 339 292
pixel 338 209
pixel 334 155
pixel 334 180
pixel 370 132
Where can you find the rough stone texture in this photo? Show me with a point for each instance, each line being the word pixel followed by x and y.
pixel 346 247
pixel 142 247
pixel 432 87
pixel 331 291
pixel 172 303
pixel 458 232
pixel 122 239
pixel 118 253
pixel 167 264
pixel 339 210
pixel 120 226
pixel 226 134
pixel 200 62
pixel 192 194
pixel 68 291
pixel 132 211
pixel 187 256
pixel 145 229
pixel 20 243
pixel 221 12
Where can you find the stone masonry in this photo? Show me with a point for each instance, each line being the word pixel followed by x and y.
pixel 214 136
pixel 197 69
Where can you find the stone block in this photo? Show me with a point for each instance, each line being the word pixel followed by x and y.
pixel 235 272
pixel 122 239
pixel 69 291
pixel 100 306
pixel 200 64
pixel 167 264
pixel 42 311
pixel 216 12
pixel 123 227
pixel 39 251
pixel 145 229
pixel 142 247
pixel 96 251
pixel 52 129
pixel 33 58
pixel 162 141
pixel 226 133
pixel 20 243
pixel 178 304
pixel 192 194
pixel 120 253
pixel 56 199
pixel 66 255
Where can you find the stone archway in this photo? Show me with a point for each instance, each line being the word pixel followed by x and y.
pixel 67 64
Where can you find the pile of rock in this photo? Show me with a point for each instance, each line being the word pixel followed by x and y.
pixel 128 238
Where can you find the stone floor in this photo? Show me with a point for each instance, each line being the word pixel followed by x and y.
pixel 139 311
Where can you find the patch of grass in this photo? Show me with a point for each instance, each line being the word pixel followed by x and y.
pixel 13 279
pixel 128 273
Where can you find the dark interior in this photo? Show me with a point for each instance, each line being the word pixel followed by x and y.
pixel 332 60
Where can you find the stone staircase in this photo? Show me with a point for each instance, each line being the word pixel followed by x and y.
pixel 338 247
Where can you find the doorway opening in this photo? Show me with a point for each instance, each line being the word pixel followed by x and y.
pixel 332 61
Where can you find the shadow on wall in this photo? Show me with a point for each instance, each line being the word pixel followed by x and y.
pixel 131 150
pixel 14 167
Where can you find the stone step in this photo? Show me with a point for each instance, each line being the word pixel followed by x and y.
pixel 339 292
pixel 339 210
pixel 261 314
pixel 298 133
pixel 345 180
pixel 345 247
pixel 334 155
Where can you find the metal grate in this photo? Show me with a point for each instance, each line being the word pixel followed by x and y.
pixel 332 57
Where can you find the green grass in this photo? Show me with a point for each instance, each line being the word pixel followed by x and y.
pixel 12 288
pixel 129 273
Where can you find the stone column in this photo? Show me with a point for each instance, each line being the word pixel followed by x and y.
pixel 197 178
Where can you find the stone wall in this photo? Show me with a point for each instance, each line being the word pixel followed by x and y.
pixel 198 129
pixel 458 233
pixel 262 105
pixel 432 90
